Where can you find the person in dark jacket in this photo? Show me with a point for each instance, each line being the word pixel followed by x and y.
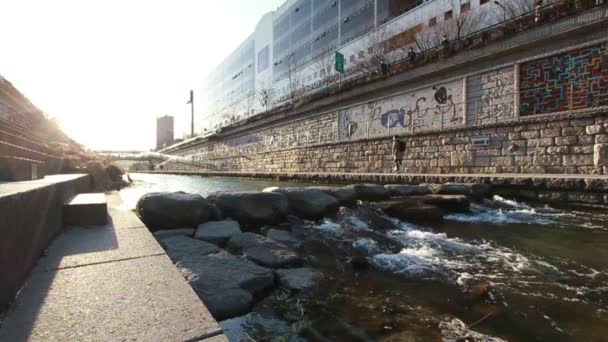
pixel 398 150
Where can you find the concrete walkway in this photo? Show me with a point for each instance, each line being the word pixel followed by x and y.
pixel 110 283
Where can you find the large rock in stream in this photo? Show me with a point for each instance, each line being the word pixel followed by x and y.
pixel 263 251
pixel 413 211
pixel 370 192
pixel 170 210
pixel 251 208
pixel 298 279
pixel 217 232
pixel 408 190
pixel 180 247
pixel 346 196
pixel 226 284
pixel 447 203
pixel 311 204
pixel 468 189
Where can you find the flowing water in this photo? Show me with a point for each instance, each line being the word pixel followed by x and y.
pixel 388 280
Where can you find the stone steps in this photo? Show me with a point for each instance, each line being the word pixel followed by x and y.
pixel 86 210
pixel 13 169
pixel 52 163
pixel 16 138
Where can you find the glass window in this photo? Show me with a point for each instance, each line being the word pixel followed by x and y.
pixel 263 59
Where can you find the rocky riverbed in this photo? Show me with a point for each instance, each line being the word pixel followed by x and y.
pixel 398 263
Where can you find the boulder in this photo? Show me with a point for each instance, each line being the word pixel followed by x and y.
pixel 162 234
pixel 408 190
pixel 217 232
pixel 413 211
pixel 447 203
pixel 179 247
pixel 283 237
pixel 345 196
pixel 164 210
pixel 263 251
pixel 101 180
pixel 454 189
pixel 226 284
pixel 298 279
pixel 252 208
pixel 467 189
pixel 311 204
pixel 370 192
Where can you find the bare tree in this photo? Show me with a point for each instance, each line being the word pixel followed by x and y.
pixel 514 8
pixel 374 46
pixel 294 69
pixel 464 20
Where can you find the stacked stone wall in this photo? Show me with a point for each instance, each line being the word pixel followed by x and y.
pixel 551 144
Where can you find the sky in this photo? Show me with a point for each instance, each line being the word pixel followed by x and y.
pixel 105 69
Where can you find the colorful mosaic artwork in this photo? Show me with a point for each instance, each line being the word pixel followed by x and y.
pixel 569 81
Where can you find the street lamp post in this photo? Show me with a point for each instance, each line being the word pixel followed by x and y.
pixel 504 10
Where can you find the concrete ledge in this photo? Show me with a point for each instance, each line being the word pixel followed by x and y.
pixel 113 283
pixel 15 169
pixel 30 218
pixel 86 210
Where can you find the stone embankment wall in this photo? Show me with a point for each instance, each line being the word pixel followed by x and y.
pixel 542 112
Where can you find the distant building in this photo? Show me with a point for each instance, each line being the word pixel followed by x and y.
pixel 291 50
pixel 164 131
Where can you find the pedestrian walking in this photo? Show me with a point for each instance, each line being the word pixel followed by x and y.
pixel 383 67
pixel 411 55
pixel 398 150
pixel 538 11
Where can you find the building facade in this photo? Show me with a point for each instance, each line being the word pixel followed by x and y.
pixel 291 52
pixel 164 131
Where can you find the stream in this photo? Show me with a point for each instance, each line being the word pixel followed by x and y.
pixel 545 270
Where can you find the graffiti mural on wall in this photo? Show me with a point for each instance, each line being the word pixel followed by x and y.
pixel 573 80
pixel 427 109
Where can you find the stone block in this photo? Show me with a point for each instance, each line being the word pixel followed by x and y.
pixel 578 160
pixel 594 129
pixel 581 122
pixel 552 196
pixel 482 161
pixel 569 140
pixel 600 155
pixel 530 134
pixel 584 149
pixel 550 133
pixel 502 161
pixel 601 138
pixel 585 197
pixel 558 124
pixel 547 160
pixel 515 136
pixel 573 131
pixel 511 169
pixel 586 139
pixel 514 148
pixel 86 210
pixel 532 151
pixel 553 150
pixel 462 158
pixel 13 169
pixel 523 161
pixel 541 142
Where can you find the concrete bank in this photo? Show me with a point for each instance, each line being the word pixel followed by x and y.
pixel 105 284
pixel 550 188
pixel 30 217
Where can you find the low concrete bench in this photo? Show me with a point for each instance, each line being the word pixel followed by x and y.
pixel 14 169
pixel 86 210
